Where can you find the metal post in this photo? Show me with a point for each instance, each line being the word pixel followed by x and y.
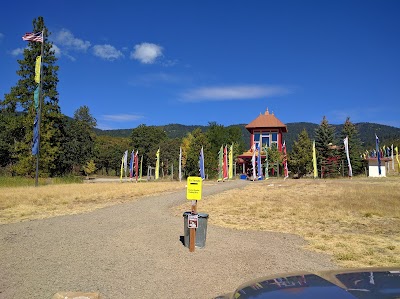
pixel 40 110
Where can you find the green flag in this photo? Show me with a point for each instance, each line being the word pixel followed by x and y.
pixel 36 97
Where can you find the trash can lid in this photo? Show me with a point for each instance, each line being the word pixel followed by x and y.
pixel 201 215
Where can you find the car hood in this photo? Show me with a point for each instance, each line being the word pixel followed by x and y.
pixel 365 283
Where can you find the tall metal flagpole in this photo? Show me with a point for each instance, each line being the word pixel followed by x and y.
pixel 40 109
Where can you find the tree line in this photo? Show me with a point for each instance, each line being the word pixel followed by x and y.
pixel 73 146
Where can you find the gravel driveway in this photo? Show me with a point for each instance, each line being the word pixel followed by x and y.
pixel 133 250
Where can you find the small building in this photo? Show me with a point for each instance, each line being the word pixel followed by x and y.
pixel 373 167
pixel 265 130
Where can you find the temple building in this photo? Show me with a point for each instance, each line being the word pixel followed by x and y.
pixel 265 130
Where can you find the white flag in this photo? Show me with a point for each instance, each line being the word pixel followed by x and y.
pixel 346 147
pixel 392 158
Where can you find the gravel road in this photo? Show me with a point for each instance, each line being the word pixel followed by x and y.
pixel 133 250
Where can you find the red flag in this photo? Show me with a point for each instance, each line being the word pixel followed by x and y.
pixel 136 166
pixel 225 168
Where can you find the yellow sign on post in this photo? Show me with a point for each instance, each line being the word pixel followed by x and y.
pixel 194 188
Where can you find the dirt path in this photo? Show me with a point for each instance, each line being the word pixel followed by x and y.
pixel 133 250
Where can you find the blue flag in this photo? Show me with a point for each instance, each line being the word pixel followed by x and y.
pixel 131 163
pixel 201 162
pixel 259 163
pixel 35 145
pixel 378 154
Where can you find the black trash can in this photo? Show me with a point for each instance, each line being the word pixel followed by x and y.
pixel 201 230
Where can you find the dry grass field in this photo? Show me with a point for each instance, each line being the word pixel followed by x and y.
pixel 355 221
pixel 27 203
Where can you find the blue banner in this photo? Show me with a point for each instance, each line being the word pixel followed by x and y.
pixel 35 145
pixel 378 154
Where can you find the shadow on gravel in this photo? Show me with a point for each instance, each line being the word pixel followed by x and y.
pixel 182 239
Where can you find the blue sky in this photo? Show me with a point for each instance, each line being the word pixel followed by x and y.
pixel 191 62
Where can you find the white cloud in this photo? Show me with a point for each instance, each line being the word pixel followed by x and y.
pixel 147 53
pixel 121 117
pixel 1 35
pixel 107 52
pixel 17 51
pixel 56 50
pixel 226 93
pixel 67 39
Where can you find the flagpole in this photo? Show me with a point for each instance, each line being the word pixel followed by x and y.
pixel 40 109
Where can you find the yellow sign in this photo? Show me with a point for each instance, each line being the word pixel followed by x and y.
pixel 194 187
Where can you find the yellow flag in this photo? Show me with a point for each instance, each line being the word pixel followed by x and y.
pixel 157 164
pixel 230 171
pixel 37 69
pixel 314 156
pixel 122 167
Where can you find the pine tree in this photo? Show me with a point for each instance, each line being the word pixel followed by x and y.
pixel 19 106
pixel 78 146
pixel 326 149
pixel 300 159
pixel 355 150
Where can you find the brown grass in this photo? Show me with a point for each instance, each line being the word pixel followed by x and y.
pixel 26 203
pixel 356 221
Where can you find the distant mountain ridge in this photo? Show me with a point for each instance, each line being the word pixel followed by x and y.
pixel 367 131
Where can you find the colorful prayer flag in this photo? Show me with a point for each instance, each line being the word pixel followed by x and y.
pixel 346 148
pixel 136 166
pixel 37 68
pixel 391 152
pixel 141 167
pixel 378 154
pixel 266 163
pixel 157 174
pixel 122 167
pixel 230 172
pixel 225 167
pixel 33 37
pixel 36 97
pixel 180 164
pixel 35 145
pixel 259 171
pixel 201 164
pixel 220 163
pixel 131 162
pixel 285 165
pixel 253 162
pixel 126 163
pixel 314 160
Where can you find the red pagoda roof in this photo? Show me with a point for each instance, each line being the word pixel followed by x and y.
pixel 266 120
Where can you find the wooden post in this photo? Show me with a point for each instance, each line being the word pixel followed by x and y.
pixel 192 236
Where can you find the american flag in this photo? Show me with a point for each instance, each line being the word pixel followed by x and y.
pixel 33 37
